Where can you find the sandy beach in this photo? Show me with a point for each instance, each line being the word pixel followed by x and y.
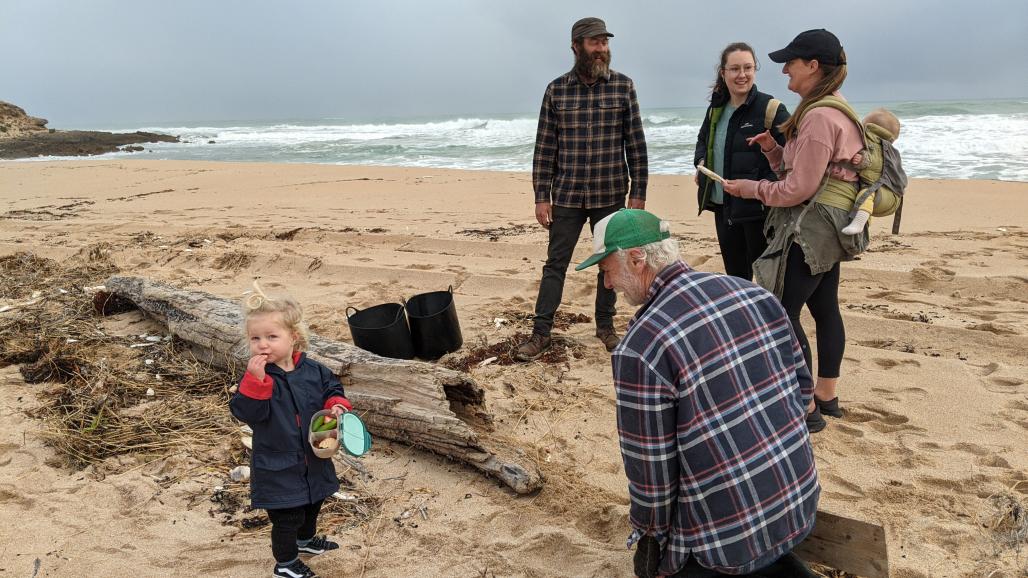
pixel 934 384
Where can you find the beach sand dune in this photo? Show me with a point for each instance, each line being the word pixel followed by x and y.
pixel 935 379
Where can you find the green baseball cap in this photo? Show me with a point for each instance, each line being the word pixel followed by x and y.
pixel 624 229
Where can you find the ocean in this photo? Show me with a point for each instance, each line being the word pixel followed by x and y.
pixel 985 139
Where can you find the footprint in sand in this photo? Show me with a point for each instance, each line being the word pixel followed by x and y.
pixel 882 420
pixel 1001 384
pixel 893 363
pixel 11 495
pixel 841 488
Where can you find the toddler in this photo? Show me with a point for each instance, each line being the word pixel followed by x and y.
pixel 277 397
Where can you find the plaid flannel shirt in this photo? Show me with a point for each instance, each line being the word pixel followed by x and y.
pixel 585 135
pixel 712 392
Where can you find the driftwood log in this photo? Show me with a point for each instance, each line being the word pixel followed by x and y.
pixel 411 402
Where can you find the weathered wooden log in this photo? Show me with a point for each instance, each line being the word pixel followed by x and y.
pixel 412 402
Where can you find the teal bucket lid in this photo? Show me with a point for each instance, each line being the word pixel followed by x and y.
pixel 354 435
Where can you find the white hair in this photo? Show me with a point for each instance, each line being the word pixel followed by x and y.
pixel 659 254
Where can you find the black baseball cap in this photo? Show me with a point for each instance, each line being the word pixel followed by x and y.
pixel 820 45
pixel 588 28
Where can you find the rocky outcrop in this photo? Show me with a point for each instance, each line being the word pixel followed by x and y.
pixel 75 143
pixel 23 136
pixel 15 122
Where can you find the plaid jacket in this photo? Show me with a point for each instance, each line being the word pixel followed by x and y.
pixel 585 135
pixel 712 393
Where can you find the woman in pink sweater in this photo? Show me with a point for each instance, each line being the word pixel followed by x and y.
pixel 804 268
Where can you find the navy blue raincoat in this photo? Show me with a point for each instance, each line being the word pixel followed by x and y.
pixel 284 472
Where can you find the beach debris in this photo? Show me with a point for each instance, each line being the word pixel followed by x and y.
pixel 246 429
pixel 148 362
pixel 247 442
pixel 442 409
pixel 345 497
pixel 487 361
pixel 239 473
pixel 499 322
pixel 150 392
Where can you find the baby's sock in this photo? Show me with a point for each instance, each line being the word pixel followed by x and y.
pixel 857 224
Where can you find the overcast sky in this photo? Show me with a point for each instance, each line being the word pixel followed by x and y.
pixel 90 63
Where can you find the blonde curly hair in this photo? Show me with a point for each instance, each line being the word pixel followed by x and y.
pixel 289 310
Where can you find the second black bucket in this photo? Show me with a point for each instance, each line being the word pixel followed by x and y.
pixel 382 330
pixel 433 324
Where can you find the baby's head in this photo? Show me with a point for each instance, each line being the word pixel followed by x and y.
pixel 279 317
pixel 886 120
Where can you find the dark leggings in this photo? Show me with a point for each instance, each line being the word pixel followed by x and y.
pixel 741 244
pixel 289 525
pixel 821 295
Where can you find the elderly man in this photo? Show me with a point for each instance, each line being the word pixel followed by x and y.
pixel 588 126
pixel 712 393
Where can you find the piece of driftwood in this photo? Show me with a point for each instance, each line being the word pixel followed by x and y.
pixel 413 402
pixel 846 544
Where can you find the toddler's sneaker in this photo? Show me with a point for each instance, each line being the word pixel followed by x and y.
pixel 318 545
pixel 296 569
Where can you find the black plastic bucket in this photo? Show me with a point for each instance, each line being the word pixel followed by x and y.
pixel 382 330
pixel 433 324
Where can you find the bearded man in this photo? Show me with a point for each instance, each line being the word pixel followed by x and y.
pixel 590 153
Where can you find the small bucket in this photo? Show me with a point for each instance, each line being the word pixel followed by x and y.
pixel 382 330
pixel 434 328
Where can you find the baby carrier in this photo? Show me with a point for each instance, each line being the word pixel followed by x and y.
pixel 880 171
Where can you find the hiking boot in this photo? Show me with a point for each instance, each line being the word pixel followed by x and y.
pixel 533 348
pixel 829 408
pixel 815 422
pixel 608 336
pixel 318 545
pixel 297 569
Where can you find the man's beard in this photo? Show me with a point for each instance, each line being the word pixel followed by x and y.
pixel 589 66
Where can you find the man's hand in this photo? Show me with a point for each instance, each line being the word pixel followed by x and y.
pixel 636 204
pixel 544 214
pixel 255 366
pixel 765 140
pixel 647 557
pixel 696 175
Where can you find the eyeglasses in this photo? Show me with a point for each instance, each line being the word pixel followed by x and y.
pixel 735 70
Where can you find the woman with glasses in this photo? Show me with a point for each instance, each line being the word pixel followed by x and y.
pixel 737 112
pixel 801 264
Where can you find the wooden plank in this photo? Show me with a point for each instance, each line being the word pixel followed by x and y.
pixel 846 544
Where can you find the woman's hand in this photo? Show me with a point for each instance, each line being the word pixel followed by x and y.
pixel 735 188
pixel 765 140
pixel 255 366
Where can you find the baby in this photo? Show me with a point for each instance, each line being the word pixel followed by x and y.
pixel 884 124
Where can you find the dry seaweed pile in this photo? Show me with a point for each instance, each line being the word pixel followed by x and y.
pixel 562 321
pixel 502 353
pixel 109 395
pixel 140 395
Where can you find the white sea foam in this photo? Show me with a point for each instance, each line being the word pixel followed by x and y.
pixel 980 139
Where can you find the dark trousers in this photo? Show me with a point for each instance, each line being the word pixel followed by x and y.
pixel 741 244
pixel 820 293
pixel 564 232
pixel 788 566
pixel 289 525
